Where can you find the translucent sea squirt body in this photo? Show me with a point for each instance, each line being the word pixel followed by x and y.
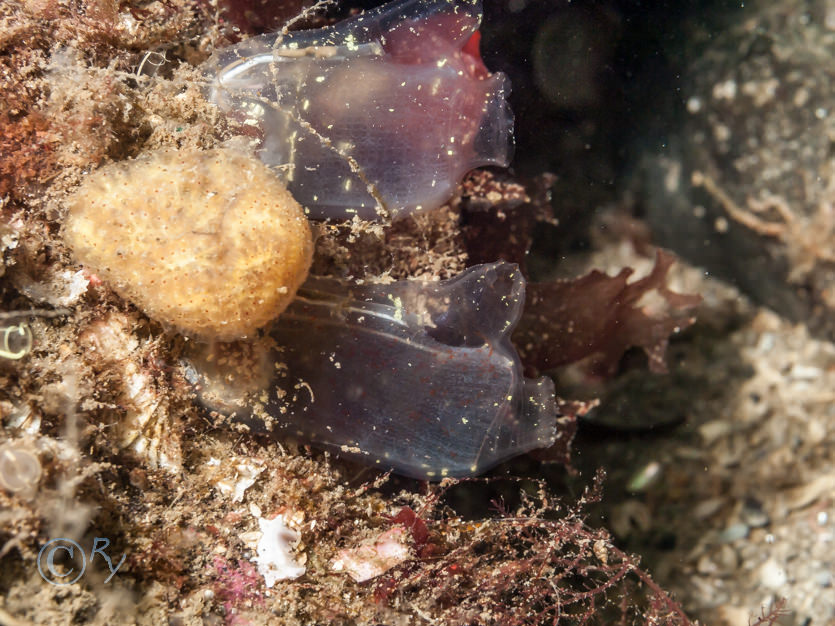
pixel 418 377
pixel 385 110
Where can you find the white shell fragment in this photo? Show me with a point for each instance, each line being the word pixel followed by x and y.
pixel 275 551
pixel 244 472
pixel 373 559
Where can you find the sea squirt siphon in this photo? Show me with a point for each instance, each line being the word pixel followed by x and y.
pixel 381 113
pixel 417 377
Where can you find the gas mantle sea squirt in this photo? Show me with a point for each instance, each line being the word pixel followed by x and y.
pixel 381 113
pixel 418 377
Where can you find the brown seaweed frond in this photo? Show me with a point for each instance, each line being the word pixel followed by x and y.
pixel 598 317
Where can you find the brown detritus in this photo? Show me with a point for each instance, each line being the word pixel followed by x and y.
pixel 102 27
pixel 499 216
pixel 351 249
pixel 427 245
pixel 28 145
pixel 26 138
pixel 90 109
pixel 66 73
pixel 136 407
pixel 253 17
pixel 64 109
pixel 423 245
pixel 597 317
pixel 492 219
pixel 235 373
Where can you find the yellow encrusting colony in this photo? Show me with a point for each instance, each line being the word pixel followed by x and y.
pixel 210 242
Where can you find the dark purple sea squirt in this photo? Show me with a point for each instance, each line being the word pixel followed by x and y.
pixel 418 377
pixel 381 113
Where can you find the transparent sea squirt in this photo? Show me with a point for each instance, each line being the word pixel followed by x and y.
pixel 381 113
pixel 418 377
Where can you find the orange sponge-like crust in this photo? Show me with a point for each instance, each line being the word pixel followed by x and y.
pixel 210 242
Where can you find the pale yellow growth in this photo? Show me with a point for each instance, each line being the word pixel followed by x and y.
pixel 210 242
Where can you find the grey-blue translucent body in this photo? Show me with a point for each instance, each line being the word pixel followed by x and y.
pixel 383 112
pixel 418 377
